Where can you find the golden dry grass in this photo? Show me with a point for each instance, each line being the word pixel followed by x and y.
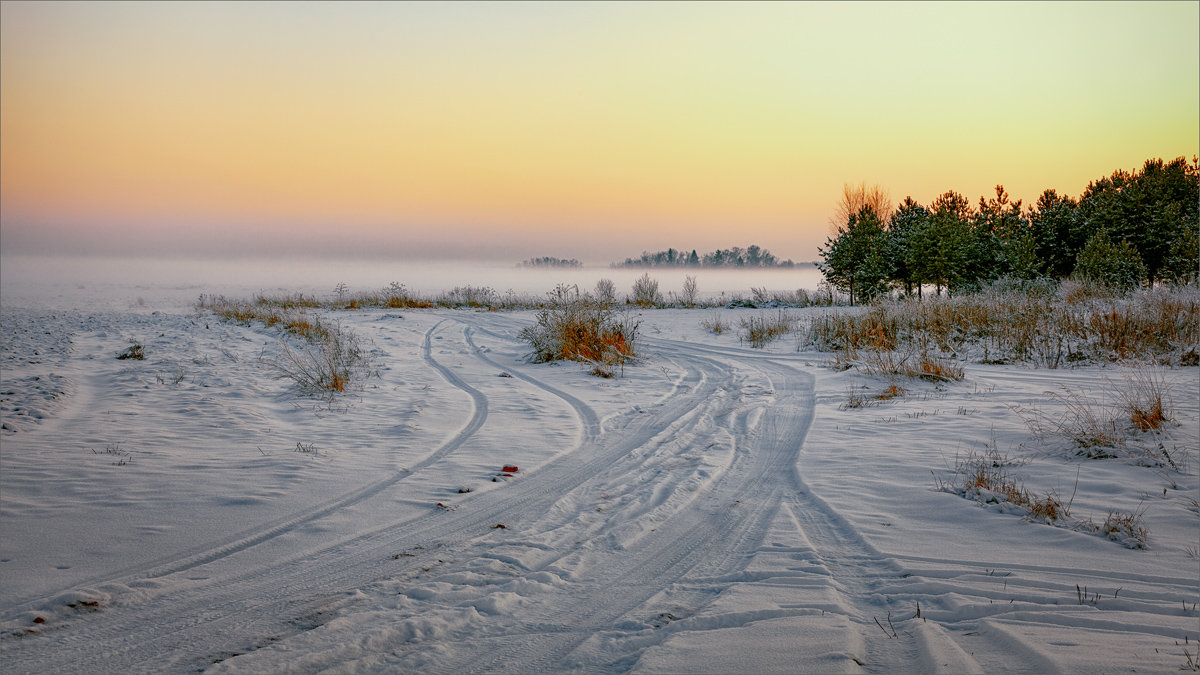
pixel 1046 328
pixel 582 329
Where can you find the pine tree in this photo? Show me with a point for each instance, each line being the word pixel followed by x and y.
pixel 938 250
pixel 1148 208
pixel 904 225
pixel 1057 233
pixel 1114 265
pixel 996 229
pixel 1182 264
pixel 856 261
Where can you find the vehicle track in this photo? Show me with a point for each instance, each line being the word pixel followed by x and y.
pixel 263 533
pixel 194 620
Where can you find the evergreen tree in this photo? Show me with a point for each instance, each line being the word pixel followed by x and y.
pixel 1057 233
pixel 996 229
pixel 856 261
pixel 938 251
pixel 1115 265
pixel 908 219
pixel 1148 208
pixel 1182 263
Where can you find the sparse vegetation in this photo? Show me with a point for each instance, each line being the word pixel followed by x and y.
pixel 328 361
pixel 1101 428
pixel 690 291
pixel 763 329
pixel 470 296
pixel 986 479
pixel 1145 398
pixel 328 364
pixel 135 351
pixel 1036 323
pixel 1125 527
pixel 645 292
pixel 714 324
pixel 581 328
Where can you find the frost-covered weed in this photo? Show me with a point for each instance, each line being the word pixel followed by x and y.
pixel 986 478
pixel 762 330
pixel 581 328
pixel 1027 324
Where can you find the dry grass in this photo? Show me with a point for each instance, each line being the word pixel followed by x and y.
pixel 1088 423
pixel 1126 527
pixel 470 296
pixel 762 330
pixel 985 478
pixel 856 398
pixel 714 324
pixel 330 357
pixel 891 364
pixel 1036 324
pixel 1145 398
pixel 1108 427
pixel 584 329
pixel 324 365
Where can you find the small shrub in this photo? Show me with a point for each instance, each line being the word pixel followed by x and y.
pixel 1145 398
pixel 690 291
pixel 582 329
pixel 135 351
pixel 645 292
pixel 762 330
pixel 606 292
pixel 714 324
pixel 327 365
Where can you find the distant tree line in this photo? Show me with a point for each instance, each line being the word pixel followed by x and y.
pixel 751 256
pixel 1127 229
pixel 547 261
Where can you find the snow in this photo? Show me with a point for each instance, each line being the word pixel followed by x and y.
pixel 715 509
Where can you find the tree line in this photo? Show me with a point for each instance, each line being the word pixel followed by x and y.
pixel 550 261
pixel 751 256
pixel 1127 229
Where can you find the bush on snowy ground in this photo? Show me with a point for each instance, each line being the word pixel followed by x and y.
pixel 581 328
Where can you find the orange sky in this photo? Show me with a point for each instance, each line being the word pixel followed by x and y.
pixel 509 130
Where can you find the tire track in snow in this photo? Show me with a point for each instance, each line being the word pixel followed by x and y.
pixel 194 621
pixel 249 539
pixel 589 422
pixel 973 612
pixel 711 536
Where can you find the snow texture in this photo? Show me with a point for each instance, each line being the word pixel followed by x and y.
pixel 716 509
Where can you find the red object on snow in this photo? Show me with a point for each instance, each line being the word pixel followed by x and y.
pixel 510 469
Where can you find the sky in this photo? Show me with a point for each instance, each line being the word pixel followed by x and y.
pixel 503 131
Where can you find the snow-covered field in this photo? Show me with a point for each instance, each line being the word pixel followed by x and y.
pixel 715 509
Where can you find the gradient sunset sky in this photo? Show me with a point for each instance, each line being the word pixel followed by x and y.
pixel 509 130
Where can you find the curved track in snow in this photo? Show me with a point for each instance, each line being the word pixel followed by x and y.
pixel 673 523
